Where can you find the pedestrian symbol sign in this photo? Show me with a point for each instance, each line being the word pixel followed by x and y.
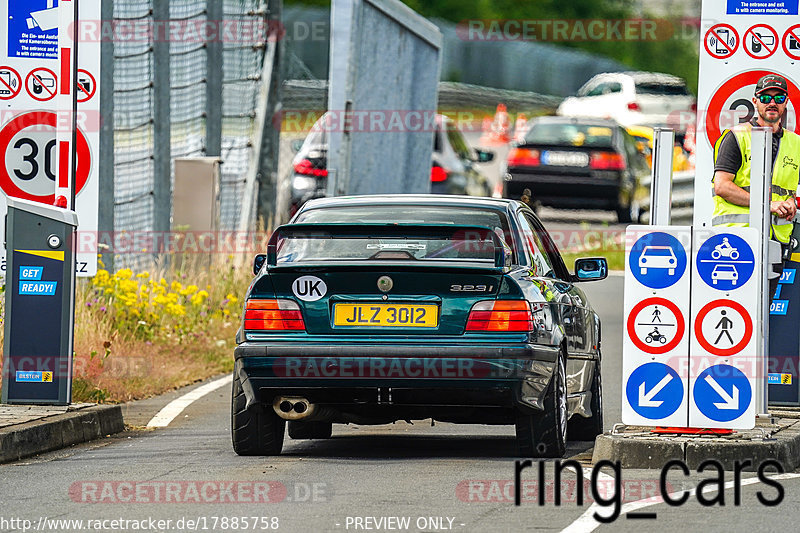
pixel 656 325
pixel 722 393
pixel 654 391
pixel 657 260
pixel 725 261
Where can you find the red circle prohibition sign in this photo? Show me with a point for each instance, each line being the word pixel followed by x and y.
pixel 46 92
pixel 6 86
pixel 679 323
pixel 712 32
pixel 750 77
pixel 724 352
pixel 82 92
pixel 793 32
pixel 759 42
pixel 39 119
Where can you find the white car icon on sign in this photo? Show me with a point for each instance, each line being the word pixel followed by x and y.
pixel 658 257
pixel 724 272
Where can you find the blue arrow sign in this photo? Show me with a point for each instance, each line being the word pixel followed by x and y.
pixel 722 393
pixel 657 260
pixel 725 262
pixel 654 390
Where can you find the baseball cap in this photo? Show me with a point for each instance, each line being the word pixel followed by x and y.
pixel 771 81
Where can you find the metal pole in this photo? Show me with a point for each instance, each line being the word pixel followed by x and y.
pixel 760 196
pixel 162 186
pixel 74 163
pixel 661 177
pixel 106 164
pixel 214 74
pixel 271 137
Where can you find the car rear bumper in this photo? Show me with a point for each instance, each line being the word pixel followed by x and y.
pixel 399 378
pixel 566 190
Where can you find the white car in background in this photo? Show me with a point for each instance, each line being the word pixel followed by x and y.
pixel 634 99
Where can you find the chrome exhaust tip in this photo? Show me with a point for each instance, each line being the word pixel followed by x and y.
pixel 292 407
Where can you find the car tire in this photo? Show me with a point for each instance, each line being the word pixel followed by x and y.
pixel 309 430
pixel 581 428
pixel 254 431
pixel 624 214
pixel 544 433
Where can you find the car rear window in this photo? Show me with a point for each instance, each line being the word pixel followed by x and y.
pixel 465 246
pixel 410 214
pixel 570 134
pixel 662 89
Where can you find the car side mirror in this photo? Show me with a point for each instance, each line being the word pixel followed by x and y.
pixel 258 262
pixel 484 156
pixel 591 269
pixel 296 145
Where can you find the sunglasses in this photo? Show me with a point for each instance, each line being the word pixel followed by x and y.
pixel 767 98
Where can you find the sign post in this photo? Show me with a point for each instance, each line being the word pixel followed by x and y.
pixel 661 177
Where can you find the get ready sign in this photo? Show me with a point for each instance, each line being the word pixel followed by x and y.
pixel 742 40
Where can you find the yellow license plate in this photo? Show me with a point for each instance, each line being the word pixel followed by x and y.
pixel 386 315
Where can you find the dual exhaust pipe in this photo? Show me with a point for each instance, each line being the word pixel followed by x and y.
pixel 293 408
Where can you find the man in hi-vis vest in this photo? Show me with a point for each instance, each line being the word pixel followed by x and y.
pixel 732 166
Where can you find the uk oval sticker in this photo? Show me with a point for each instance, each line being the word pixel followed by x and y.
pixel 309 288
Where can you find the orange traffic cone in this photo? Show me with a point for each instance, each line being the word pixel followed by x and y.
pixel 519 127
pixel 500 125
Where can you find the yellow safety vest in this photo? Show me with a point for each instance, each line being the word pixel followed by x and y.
pixel 784 181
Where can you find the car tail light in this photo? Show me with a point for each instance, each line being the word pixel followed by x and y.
pixel 523 157
pixel 438 174
pixel 500 315
pixel 634 106
pixel 606 161
pixel 693 107
pixel 273 315
pixel 307 168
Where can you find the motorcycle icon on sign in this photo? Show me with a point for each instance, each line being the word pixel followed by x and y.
pixel 655 336
pixel 725 250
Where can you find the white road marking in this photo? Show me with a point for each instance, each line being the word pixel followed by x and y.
pixel 586 522
pixel 176 406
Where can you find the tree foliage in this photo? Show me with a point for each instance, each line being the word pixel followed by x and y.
pixel 676 54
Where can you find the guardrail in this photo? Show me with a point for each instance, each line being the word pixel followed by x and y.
pixel 682 198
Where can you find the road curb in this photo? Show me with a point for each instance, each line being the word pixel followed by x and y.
pixel 637 448
pixel 59 431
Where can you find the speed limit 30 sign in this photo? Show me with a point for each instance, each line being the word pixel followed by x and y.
pixel 28 149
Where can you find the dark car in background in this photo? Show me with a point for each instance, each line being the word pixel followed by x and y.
pixel 453 169
pixel 578 163
pixel 373 309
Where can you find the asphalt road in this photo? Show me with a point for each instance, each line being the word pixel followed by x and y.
pixel 440 478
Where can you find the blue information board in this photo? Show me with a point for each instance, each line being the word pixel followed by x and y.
pixel 762 7
pixel 33 29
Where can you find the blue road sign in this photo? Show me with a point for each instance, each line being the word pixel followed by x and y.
pixel 654 390
pixel 657 260
pixel 722 393
pixel 725 262
pixel 33 29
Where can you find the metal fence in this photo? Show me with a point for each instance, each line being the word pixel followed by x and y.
pixel 178 96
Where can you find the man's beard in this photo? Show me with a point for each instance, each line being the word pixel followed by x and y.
pixel 771 121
